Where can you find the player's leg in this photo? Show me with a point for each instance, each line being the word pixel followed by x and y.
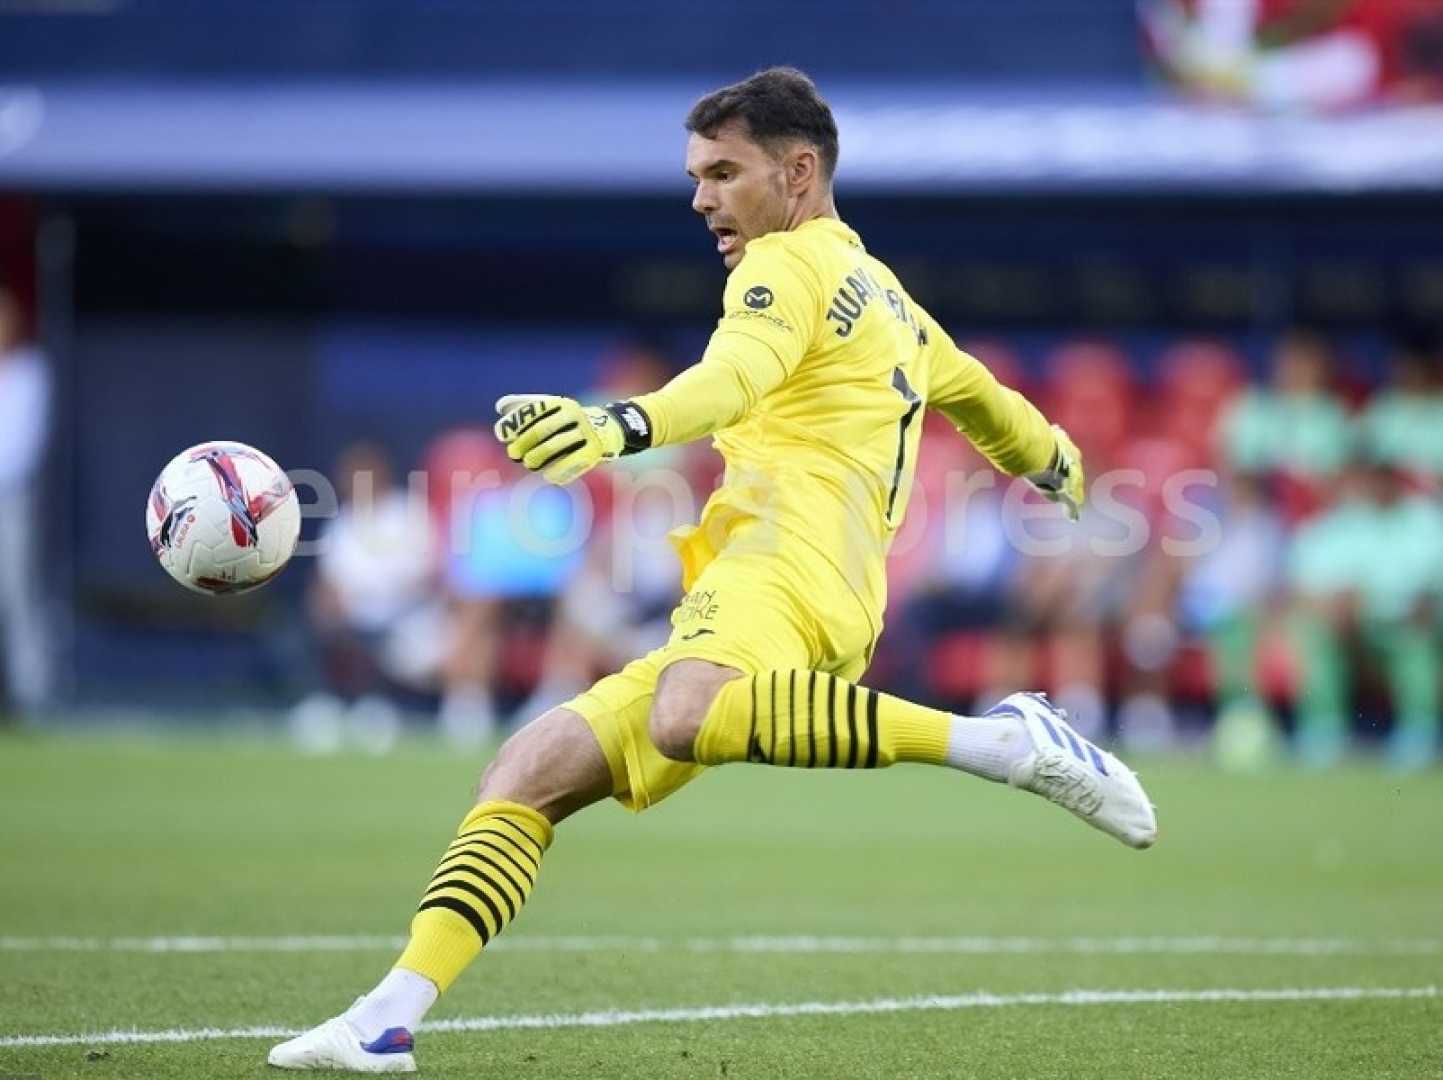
pixel 805 718
pixel 547 771
pixel 733 696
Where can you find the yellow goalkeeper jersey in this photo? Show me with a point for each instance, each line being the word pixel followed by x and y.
pixel 813 383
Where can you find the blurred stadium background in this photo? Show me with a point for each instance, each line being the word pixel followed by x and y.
pixel 1204 235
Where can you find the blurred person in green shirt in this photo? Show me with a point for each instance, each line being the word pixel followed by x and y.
pixel 1296 429
pixel 1366 577
pixel 1403 423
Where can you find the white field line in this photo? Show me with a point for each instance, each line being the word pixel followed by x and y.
pixel 799 945
pixel 711 1013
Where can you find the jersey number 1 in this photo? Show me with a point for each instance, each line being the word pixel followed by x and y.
pixel 914 403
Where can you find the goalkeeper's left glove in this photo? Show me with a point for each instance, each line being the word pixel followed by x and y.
pixel 1063 481
pixel 562 439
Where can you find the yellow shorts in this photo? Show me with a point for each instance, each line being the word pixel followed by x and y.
pixel 765 600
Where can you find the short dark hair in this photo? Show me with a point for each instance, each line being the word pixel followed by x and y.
pixel 777 104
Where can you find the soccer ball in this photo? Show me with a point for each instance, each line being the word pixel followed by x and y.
pixel 222 518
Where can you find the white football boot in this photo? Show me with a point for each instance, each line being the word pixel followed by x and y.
pixel 1065 768
pixel 337 1045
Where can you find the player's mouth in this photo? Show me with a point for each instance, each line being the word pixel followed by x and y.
pixel 727 239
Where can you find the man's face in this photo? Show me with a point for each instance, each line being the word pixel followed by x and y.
pixel 741 190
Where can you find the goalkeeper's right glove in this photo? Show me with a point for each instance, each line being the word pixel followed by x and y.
pixel 562 439
pixel 1063 481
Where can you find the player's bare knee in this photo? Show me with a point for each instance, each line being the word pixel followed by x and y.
pixel 684 694
pixel 552 765
pixel 487 779
pixel 502 774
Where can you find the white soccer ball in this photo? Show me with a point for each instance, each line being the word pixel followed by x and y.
pixel 222 518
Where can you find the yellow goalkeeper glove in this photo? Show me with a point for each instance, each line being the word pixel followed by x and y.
pixel 562 439
pixel 1063 480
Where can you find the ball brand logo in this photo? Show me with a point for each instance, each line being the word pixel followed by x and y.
pixel 175 520
pixel 758 297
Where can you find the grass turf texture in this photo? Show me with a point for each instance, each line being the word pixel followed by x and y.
pixel 122 837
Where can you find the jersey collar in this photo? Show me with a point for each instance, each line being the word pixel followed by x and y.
pixel 834 226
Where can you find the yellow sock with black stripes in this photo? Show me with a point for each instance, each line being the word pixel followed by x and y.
pixel 812 720
pixel 483 879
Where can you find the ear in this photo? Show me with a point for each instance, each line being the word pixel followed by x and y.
pixel 803 166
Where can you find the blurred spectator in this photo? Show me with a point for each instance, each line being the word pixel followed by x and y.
pixel 1403 423
pixel 24 429
pixel 373 605
pixel 1148 465
pixel 511 546
pixel 1066 610
pixel 1198 379
pixel 1091 391
pixel 1228 594
pixel 618 605
pixel 1284 54
pixel 1296 430
pixel 1366 576
pixel 949 580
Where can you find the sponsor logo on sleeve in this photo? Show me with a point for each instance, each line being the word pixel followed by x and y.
pixel 758 297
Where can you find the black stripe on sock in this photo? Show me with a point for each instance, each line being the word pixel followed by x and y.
pixel 772 741
pixel 540 851
pixel 489 831
pixel 831 722
pixel 455 864
pixel 792 717
pixel 449 876
pixel 852 725
pixel 479 894
pixel 466 886
pixel 871 727
pixel 527 860
pixel 527 874
pixel 811 721
pixel 521 851
pixel 465 910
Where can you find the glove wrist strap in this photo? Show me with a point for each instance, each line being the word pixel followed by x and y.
pixel 635 426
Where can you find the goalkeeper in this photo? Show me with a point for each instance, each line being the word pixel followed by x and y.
pixel 811 384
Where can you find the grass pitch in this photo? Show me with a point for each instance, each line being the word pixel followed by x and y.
pixel 910 923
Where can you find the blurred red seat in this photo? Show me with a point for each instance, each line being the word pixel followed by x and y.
pixel 1196 380
pixel 1091 391
pixel 957 665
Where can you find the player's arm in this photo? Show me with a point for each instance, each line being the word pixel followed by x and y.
pixel 769 315
pixel 1006 427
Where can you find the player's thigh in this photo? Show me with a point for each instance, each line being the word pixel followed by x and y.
pixel 749 610
pixel 741 614
pixel 618 710
pixel 773 606
pixel 554 764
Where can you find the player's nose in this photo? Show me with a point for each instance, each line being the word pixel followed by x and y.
pixel 702 200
